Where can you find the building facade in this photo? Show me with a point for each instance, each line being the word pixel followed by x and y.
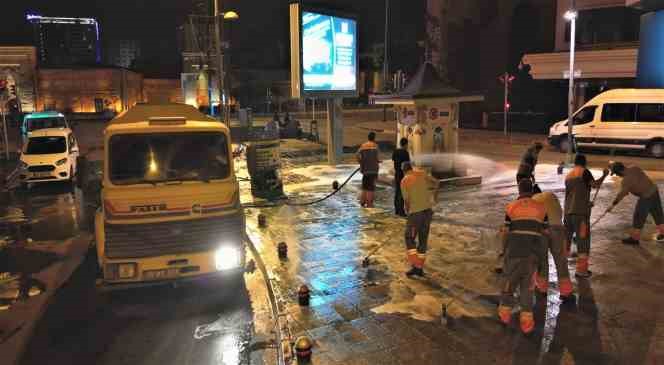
pixel 66 41
pixel 18 69
pixel 607 43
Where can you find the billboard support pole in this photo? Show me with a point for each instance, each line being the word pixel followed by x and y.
pixel 334 130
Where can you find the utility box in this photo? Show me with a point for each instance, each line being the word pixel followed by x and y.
pixel 263 163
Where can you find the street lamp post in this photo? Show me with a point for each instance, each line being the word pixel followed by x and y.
pixel 571 16
pixel 219 17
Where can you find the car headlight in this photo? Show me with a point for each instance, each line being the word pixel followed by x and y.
pixel 61 162
pixel 227 258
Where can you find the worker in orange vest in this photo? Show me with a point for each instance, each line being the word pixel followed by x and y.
pixel 525 226
pixel 578 185
pixel 417 188
pixel 369 159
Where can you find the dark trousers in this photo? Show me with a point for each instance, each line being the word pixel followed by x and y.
pixel 651 205
pixel 398 198
pixel 417 236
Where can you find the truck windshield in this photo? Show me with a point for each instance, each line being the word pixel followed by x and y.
pixel 46 145
pixel 43 123
pixel 163 157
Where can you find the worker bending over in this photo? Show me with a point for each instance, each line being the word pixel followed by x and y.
pixel 635 181
pixel 556 244
pixel 525 224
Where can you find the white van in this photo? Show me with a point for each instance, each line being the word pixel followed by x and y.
pixel 628 119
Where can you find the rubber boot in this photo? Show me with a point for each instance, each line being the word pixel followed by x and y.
pixel 505 314
pixel 527 322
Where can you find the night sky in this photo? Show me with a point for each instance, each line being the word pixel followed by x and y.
pixel 258 37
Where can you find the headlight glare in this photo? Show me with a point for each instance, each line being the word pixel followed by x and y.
pixel 61 162
pixel 227 258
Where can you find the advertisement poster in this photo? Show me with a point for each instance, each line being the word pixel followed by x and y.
pixel 329 53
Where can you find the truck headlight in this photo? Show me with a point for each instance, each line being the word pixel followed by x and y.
pixel 120 271
pixel 227 258
pixel 61 162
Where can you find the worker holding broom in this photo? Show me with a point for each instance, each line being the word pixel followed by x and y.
pixel 578 185
pixel 636 182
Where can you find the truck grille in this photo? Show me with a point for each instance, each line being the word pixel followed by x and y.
pixel 168 238
pixel 41 168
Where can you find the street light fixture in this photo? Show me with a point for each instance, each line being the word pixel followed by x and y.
pixel 571 15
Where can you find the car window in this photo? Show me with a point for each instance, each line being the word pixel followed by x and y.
pixel 46 145
pixel 618 112
pixel 585 115
pixel 650 113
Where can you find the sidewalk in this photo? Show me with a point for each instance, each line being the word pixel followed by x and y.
pixel 49 263
pixel 376 315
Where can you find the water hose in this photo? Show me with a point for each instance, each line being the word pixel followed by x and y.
pixel 301 204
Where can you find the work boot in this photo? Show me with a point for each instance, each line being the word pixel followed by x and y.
pixel 631 241
pixel 415 272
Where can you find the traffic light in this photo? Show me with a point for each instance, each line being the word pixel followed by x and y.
pixel 507 106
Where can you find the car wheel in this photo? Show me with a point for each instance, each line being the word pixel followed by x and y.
pixel 564 146
pixel 656 149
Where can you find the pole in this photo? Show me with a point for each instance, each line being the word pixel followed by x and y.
pixel 313 108
pixel 4 131
pixel 506 78
pixel 386 61
pixel 220 60
pixel 570 94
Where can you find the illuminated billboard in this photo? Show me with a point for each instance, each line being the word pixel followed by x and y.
pixel 324 54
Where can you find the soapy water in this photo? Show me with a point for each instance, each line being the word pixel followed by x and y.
pixel 491 171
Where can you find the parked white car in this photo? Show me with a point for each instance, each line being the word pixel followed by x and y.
pixel 627 119
pixel 41 120
pixel 49 155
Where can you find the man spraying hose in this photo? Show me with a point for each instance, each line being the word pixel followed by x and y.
pixel 578 185
pixel 636 182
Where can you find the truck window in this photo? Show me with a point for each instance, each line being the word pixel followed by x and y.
pixel 151 158
pixel 650 113
pixel 585 115
pixel 618 112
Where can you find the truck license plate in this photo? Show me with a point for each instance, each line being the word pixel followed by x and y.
pixel 160 274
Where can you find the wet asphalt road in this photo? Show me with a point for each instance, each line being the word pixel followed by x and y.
pixel 214 322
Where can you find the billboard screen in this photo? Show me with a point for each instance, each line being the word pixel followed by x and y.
pixel 328 54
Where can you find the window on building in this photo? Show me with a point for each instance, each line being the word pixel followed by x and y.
pixel 618 112
pixel 606 26
pixel 650 113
